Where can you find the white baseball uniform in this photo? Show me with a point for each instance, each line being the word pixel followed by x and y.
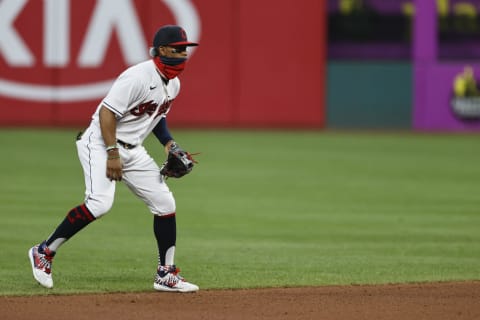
pixel 139 98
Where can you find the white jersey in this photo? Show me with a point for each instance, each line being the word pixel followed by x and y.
pixel 139 99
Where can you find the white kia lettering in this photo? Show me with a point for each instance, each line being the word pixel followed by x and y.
pixel 108 16
pixel 57 33
pixel 12 46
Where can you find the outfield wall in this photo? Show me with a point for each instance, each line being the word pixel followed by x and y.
pixel 369 94
pixel 260 63
pixel 404 64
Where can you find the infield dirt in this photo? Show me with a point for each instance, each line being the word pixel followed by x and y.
pixel 451 300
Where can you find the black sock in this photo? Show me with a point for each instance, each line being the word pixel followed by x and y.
pixel 76 220
pixel 165 229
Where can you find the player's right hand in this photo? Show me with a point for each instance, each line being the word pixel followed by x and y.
pixel 114 169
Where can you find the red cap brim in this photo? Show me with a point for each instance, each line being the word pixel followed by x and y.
pixel 183 43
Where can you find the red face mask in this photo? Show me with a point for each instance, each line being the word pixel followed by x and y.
pixel 170 67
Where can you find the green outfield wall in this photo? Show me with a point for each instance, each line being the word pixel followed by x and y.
pixel 369 94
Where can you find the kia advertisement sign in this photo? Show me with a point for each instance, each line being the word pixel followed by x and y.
pixel 58 59
pixel 65 54
pixel 70 49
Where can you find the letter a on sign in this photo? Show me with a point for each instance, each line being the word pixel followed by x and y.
pixel 119 14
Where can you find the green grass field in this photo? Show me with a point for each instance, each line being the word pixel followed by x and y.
pixel 261 209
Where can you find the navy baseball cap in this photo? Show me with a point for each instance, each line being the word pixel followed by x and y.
pixel 171 35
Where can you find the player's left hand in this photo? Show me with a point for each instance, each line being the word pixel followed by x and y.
pixel 179 162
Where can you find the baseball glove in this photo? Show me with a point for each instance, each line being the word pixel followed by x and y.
pixel 179 162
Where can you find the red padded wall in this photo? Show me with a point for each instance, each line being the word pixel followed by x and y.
pixel 260 64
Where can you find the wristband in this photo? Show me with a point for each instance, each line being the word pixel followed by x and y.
pixel 113 158
pixel 174 146
pixel 112 147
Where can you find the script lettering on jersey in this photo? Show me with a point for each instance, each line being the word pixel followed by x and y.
pixel 150 108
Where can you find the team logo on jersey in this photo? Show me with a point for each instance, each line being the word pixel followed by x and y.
pixel 151 108
pixel 48 54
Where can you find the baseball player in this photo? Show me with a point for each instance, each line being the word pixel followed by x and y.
pixel 111 150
